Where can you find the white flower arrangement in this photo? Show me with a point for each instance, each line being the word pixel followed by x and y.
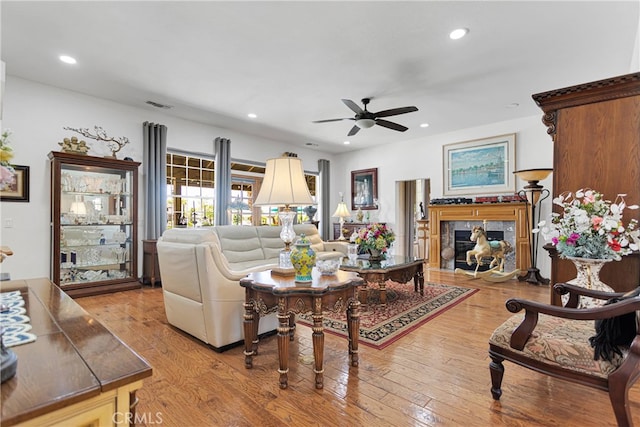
pixel 591 227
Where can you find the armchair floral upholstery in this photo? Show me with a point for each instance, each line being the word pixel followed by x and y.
pixel 555 341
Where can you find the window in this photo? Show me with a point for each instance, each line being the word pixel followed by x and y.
pixel 191 193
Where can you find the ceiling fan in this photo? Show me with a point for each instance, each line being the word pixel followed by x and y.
pixel 365 119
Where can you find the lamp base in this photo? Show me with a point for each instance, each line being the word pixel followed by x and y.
pixel 533 276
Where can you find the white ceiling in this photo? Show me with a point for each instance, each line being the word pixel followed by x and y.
pixel 291 62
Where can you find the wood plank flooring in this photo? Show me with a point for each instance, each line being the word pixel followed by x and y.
pixel 437 375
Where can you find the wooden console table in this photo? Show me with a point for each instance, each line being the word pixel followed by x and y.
pixel 75 373
pixel 266 293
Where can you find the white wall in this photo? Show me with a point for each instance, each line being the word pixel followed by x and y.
pixel 422 159
pixel 37 114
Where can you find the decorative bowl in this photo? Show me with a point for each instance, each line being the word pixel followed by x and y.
pixel 328 267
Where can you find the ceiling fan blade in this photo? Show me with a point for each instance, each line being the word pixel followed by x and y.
pixel 353 106
pixel 353 131
pixel 331 120
pixel 395 111
pixel 391 125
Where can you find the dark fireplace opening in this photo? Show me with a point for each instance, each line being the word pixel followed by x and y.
pixel 463 244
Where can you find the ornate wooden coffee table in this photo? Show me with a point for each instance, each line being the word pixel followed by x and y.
pixel 266 293
pixel 398 268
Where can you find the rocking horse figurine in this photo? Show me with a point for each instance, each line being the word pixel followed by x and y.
pixel 498 249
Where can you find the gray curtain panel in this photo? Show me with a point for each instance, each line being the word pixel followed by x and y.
pixel 322 198
pixel 155 168
pixel 410 220
pixel 222 150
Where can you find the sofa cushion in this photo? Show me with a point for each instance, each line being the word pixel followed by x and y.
pixel 270 240
pixel 190 235
pixel 239 244
pixel 312 234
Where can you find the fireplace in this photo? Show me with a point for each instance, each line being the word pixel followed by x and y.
pixel 462 244
pixel 510 218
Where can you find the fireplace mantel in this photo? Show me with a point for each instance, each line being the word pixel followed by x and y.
pixel 476 213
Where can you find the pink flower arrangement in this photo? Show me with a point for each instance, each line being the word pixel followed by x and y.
pixel 375 236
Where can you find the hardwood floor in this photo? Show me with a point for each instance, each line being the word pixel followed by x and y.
pixel 436 375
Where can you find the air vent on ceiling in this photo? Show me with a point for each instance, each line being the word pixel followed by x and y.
pixel 158 105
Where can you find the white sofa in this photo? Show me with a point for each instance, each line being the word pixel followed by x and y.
pixel 201 269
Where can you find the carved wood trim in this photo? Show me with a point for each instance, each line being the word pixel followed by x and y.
pixel 586 93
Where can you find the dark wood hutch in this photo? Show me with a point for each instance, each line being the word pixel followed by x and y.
pixel 596 132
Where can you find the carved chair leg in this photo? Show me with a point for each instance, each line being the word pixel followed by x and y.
pixel 619 383
pixel 497 371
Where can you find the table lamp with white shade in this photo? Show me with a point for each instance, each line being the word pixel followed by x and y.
pixel 341 212
pixel 284 185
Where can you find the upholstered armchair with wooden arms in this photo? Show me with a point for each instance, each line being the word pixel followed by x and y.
pixel 555 341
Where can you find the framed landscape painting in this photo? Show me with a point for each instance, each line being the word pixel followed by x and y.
pixel 481 166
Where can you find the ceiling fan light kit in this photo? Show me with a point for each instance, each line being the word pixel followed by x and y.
pixel 365 119
pixel 365 123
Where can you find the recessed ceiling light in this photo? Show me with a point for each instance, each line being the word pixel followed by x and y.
pixel 347 142
pixel 458 34
pixel 424 125
pixel 252 115
pixel 67 59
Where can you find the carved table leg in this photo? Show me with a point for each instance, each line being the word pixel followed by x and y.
pixel 292 326
pixel 418 281
pixel 249 338
pixel 318 343
pixel 283 346
pixel 383 292
pixel 363 294
pixel 353 326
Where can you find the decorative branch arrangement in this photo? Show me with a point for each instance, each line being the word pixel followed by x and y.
pixel 114 144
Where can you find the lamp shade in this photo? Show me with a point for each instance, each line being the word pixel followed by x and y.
pixel 284 184
pixel 533 174
pixel 341 211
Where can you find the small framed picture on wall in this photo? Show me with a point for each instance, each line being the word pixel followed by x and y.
pixel 14 183
pixel 364 189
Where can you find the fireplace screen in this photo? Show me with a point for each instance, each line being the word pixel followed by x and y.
pixel 464 244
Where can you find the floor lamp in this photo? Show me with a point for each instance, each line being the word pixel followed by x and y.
pixel 284 185
pixel 341 212
pixel 534 194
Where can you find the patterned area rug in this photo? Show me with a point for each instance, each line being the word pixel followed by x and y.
pixel 406 310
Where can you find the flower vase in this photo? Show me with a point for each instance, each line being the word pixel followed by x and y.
pixel 303 259
pixel 375 255
pixel 588 276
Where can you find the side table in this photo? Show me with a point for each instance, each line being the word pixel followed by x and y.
pixel 150 267
pixel 266 293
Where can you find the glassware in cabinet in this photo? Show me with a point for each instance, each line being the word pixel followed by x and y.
pixel 94 223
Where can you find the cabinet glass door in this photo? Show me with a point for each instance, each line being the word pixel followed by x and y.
pixel 95 225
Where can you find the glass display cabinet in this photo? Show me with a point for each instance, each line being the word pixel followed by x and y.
pixel 94 217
